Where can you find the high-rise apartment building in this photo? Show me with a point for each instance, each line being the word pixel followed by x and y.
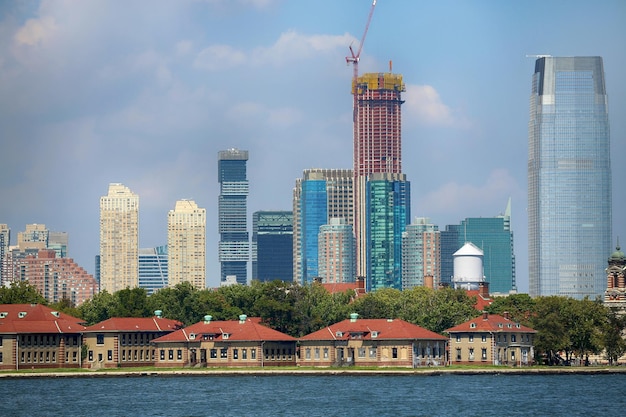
pixel 34 237
pixel 377 150
pixel 569 178
pixel 320 195
pixel 272 245
pixel 186 244
pixel 119 239
pixel 420 254
pixel 494 237
pixel 336 252
pixel 234 245
pixel 153 268
pixel 388 212
pixel 5 242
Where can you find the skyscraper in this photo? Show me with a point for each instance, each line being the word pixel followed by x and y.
pixel 5 241
pixel 377 148
pixel 234 245
pixel 420 254
pixel 569 178
pixel 320 195
pixel 186 244
pixel 336 260
pixel 272 245
pixel 119 239
pixel 153 268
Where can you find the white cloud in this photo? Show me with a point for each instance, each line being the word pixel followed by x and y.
pixel 36 31
pixel 424 106
pixel 469 199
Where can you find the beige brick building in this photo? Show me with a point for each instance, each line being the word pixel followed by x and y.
pixel 186 244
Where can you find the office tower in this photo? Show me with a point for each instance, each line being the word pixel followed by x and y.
pixel 320 195
pixel 5 241
pixel 234 245
pixel 387 202
pixel 336 252
pixel 34 237
pixel 377 146
pixel 58 241
pixel 494 237
pixel 153 268
pixel 272 245
pixel 186 244
pixel 119 239
pixel 569 178
pixel 55 278
pixel 420 254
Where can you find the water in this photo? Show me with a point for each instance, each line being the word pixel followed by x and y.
pixel 325 395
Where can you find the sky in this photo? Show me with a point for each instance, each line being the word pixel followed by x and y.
pixel 147 92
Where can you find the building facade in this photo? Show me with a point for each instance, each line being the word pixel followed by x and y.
pixel 615 294
pixel 377 146
pixel 420 254
pixel 186 244
pixel 491 339
pixel 234 244
pixel 388 199
pixel 372 342
pixel 336 252
pixel 569 178
pixel 272 245
pixel 320 195
pixel 5 243
pixel 119 239
pixel 55 278
pixel 153 268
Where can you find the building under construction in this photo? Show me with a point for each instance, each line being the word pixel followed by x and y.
pixel 377 146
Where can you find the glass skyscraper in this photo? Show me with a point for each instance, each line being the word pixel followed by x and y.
pixel 569 178
pixel 234 245
pixel 388 199
pixel 272 245
pixel 153 270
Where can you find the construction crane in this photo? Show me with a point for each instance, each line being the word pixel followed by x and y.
pixel 354 58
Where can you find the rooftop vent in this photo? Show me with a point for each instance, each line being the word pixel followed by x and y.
pixel 207 319
pixel 242 318
pixel 158 313
pixel 353 317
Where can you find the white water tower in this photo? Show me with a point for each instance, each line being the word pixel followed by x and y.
pixel 468 267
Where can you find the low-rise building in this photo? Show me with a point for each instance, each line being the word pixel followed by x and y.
pixel 233 343
pixel 491 339
pixel 125 342
pixel 372 342
pixel 33 336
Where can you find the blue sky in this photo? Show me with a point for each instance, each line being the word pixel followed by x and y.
pixel 147 92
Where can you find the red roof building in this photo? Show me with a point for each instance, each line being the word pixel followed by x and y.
pixel 125 341
pixel 491 339
pixel 372 342
pixel 34 336
pixel 233 343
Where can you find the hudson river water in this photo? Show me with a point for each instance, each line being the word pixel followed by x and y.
pixel 324 395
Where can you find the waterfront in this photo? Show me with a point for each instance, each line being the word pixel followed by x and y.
pixel 317 395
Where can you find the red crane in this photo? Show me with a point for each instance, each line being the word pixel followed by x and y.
pixel 354 58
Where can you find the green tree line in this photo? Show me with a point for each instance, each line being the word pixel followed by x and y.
pixel 576 328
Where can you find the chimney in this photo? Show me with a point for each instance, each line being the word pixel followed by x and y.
pixel 360 285
pixel 483 289
pixel 485 315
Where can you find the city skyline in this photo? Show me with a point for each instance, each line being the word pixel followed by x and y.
pixel 98 92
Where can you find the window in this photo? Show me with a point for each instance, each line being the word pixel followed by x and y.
pixel 471 338
pixel 458 354
pixel 361 352
pixel 235 353
pixel 0 340
pixel 458 338
pixel 90 356
pixel 372 352
pixel 504 338
pixel 74 356
pixel 253 354
pixel 224 353
pixel 307 353
pixel 244 354
pixel 123 354
pixel 483 354
pixel 179 354
pixel 170 354
pixel 471 354
pixel 394 353
pixel 213 353
pixel 513 355
pixel 1 358
pixel 513 338
pixel 484 337
pixel 325 353
pixel 317 353
pixel 109 355
pixel 100 339
pixel 162 355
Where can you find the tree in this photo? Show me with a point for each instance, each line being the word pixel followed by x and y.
pixel 21 292
pixel 519 306
pixel 132 303
pixel 178 303
pixel 612 339
pixel 101 307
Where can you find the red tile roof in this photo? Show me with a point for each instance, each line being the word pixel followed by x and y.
pixel 490 323
pixel 482 301
pixel 36 318
pixel 386 330
pixel 249 329
pixel 135 324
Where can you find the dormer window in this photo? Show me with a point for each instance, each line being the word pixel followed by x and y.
pixel 374 333
pixel 225 336
pixel 339 333
pixel 473 325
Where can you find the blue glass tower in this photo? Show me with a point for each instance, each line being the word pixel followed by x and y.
pixel 569 178
pixel 153 271
pixel 272 245
pixel 234 245
pixel 388 212
pixel 314 214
